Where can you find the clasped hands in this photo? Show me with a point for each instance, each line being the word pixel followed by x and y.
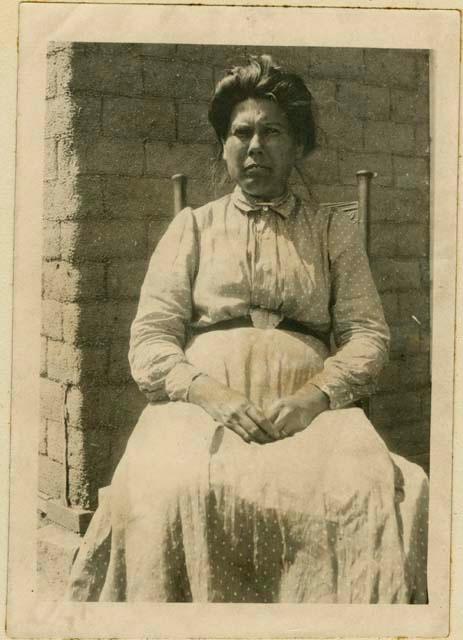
pixel 284 418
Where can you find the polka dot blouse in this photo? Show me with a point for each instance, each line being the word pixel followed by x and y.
pixel 233 255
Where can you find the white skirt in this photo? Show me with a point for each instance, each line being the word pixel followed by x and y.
pixel 195 514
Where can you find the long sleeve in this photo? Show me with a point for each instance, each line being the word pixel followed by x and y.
pixel 359 328
pixel 159 330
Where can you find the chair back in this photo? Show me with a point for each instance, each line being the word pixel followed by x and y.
pixel 358 209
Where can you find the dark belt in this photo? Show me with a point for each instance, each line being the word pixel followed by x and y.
pixel 286 324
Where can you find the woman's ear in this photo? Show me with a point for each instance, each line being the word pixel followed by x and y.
pixel 224 150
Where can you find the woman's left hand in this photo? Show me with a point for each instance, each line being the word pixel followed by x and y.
pixel 294 413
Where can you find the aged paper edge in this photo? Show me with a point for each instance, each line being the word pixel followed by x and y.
pixel 51 611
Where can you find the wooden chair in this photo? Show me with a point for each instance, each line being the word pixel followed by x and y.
pixel 358 208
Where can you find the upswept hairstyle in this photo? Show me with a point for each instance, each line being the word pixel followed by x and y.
pixel 261 78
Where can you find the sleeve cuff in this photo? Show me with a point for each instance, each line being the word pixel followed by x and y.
pixel 179 379
pixel 341 396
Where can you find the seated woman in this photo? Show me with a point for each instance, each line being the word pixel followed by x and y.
pixel 250 477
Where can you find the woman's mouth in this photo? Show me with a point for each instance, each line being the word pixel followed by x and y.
pixel 256 168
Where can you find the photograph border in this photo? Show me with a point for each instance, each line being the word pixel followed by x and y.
pixel 445 254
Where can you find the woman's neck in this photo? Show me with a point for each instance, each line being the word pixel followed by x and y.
pixel 265 199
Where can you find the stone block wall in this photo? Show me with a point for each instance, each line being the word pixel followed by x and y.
pixel 121 119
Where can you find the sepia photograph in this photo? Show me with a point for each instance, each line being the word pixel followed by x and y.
pixel 236 257
pixel 238 328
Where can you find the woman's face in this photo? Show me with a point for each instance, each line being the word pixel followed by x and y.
pixel 260 150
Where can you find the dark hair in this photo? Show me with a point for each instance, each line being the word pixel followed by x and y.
pixel 261 78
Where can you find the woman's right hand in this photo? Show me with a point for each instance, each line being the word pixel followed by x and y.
pixel 232 409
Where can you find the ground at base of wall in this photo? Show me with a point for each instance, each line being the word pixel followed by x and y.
pixel 56 550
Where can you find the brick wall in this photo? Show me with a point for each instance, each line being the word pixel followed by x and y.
pixel 121 119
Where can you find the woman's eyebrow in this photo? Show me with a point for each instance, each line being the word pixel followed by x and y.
pixel 243 124
pixel 273 123
pixel 240 126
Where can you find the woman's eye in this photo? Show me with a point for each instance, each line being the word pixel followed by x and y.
pixel 246 133
pixel 243 133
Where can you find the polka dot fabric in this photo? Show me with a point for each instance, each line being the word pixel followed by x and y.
pixel 195 514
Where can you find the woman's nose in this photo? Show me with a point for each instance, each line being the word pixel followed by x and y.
pixel 255 144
